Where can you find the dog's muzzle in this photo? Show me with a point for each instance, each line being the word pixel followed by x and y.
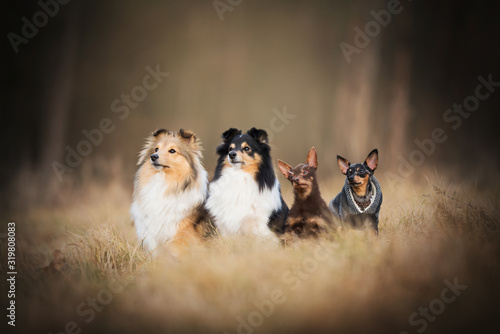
pixel 154 160
pixel 233 158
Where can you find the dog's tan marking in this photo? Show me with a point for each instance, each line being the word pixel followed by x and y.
pixel 185 236
pixel 251 165
pixel 360 189
pixel 304 192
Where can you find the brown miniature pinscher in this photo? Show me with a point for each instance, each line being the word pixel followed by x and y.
pixel 309 215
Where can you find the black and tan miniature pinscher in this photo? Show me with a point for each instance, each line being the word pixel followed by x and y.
pixel 309 215
pixel 359 202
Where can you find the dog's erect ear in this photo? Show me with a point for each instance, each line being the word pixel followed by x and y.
pixel 312 158
pixel 372 160
pixel 228 135
pixel 187 135
pixel 343 164
pixel 259 135
pixel 285 169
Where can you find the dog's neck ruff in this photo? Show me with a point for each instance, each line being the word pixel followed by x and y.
pixel 239 206
pixel 158 209
pixel 356 207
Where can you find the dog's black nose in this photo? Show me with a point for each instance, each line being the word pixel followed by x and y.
pixel 351 177
pixel 296 179
pixel 154 157
pixel 232 154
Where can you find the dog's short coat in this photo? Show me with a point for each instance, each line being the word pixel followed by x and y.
pixel 309 215
pixel 359 202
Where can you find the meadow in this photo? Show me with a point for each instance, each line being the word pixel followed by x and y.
pixel 433 269
pixel 87 81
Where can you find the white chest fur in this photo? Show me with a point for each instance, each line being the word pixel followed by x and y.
pixel 157 212
pixel 238 206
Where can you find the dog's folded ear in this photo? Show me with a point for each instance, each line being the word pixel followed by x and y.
pixel 150 142
pixel 158 132
pixel 187 135
pixel 343 164
pixel 372 160
pixel 228 135
pixel 259 135
pixel 285 169
pixel 312 158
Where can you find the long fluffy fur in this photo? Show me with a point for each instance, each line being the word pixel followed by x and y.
pixel 246 200
pixel 167 201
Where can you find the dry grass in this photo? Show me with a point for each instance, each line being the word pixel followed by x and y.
pixel 346 283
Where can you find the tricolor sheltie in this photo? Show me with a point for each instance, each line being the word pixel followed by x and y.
pixel 169 191
pixel 244 194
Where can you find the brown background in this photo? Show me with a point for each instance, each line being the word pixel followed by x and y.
pixel 264 55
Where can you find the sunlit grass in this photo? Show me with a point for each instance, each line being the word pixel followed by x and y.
pixel 347 282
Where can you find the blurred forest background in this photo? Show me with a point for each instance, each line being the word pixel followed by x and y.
pixel 241 69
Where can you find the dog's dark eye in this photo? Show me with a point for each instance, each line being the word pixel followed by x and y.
pixel 156 149
pixel 171 150
pixel 304 172
pixel 246 148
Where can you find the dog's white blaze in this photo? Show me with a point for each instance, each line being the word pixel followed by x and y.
pixel 239 207
pixel 157 210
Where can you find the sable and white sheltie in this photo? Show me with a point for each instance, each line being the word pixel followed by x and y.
pixel 169 191
pixel 244 194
